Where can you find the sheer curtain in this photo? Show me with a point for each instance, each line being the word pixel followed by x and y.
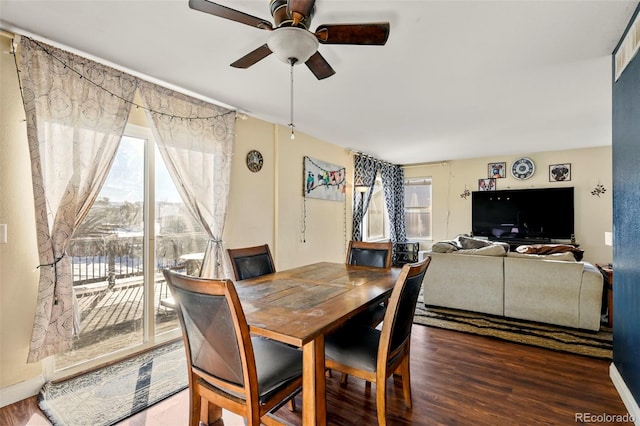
pixel 73 130
pixel 198 157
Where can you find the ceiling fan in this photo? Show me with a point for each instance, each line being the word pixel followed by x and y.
pixel 290 38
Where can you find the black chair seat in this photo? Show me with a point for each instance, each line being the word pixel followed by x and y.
pixel 354 346
pixel 276 364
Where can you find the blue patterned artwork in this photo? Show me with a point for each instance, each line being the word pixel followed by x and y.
pixel 323 180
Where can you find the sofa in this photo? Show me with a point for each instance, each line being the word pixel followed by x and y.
pixel 554 289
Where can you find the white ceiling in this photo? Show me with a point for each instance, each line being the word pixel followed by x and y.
pixel 457 79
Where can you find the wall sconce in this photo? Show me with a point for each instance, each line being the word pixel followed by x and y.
pixel 466 193
pixel 599 189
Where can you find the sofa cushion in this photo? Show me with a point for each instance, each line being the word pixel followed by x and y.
pixel 490 250
pixel 566 257
pixel 550 249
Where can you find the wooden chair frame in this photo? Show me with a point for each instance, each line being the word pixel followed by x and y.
pixel 366 245
pixel 400 357
pixel 217 393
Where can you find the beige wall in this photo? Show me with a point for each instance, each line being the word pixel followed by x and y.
pixel 264 207
pixel 19 257
pixel 589 166
pixel 268 206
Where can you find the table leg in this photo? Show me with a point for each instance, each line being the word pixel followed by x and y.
pixel 314 400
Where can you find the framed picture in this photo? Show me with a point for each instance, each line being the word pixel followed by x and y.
pixel 497 170
pixel 487 184
pixel 323 180
pixel 560 172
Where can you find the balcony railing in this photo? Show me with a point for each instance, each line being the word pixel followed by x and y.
pixel 112 257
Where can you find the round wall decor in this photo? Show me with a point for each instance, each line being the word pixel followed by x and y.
pixel 254 161
pixel 523 168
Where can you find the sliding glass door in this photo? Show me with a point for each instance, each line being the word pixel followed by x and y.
pixel 137 227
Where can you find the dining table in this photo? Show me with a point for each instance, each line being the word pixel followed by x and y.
pixel 300 306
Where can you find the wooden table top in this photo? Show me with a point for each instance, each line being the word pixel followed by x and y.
pixel 297 305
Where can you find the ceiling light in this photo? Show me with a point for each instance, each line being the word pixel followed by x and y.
pixel 292 43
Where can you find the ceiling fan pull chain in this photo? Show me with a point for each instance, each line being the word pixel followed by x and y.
pixel 292 61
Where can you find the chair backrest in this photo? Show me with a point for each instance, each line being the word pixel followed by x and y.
pixel 251 262
pixel 215 330
pixel 369 254
pixel 398 319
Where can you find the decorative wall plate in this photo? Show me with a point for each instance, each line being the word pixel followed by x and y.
pixel 254 161
pixel 523 168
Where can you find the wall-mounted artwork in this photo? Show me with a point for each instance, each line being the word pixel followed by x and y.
pixel 487 184
pixel 323 180
pixel 560 172
pixel 497 170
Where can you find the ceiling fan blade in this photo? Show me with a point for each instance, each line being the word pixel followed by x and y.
pixel 228 13
pixel 319 66
pixel 372 34
pixel 252 57
pixel 300 9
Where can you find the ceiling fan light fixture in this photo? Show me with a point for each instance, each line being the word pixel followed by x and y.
pixel 292 43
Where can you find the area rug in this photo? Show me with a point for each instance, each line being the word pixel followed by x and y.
pixel 593 344
pixel 111 394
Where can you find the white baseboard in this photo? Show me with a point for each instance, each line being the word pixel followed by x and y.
pixel 625 394
pixel 20 391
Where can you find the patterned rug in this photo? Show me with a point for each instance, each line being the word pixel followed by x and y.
pixel 111 394
pixel 593 344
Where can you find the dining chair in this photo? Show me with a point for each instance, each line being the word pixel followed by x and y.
pixel 369 253
pixel 376 254
pixel 249 262
pixel 374 355
pixel 228 368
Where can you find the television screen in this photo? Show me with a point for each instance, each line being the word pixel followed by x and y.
pixel 543 213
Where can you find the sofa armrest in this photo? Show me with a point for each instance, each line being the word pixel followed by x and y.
pixel 591 297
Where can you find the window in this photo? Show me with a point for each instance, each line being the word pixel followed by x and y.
pixel 376 220
pixel 417 208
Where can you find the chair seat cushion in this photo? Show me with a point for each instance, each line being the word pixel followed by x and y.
pixel 276 364
pixel 354 346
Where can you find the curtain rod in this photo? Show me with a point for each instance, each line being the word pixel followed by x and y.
pixel 439 163
pixel 12 32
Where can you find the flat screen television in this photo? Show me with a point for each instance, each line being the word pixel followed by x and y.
pixel 538 214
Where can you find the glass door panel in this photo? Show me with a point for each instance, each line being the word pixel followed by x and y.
pixel 108 268
pixel 180 243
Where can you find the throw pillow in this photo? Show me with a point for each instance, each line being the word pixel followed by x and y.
pixel 471 243
pixel 490 250
pixel 444 247
pixel 550 249
pixel 566 257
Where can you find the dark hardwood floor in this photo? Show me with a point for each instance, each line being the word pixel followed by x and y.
pixel 457 379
